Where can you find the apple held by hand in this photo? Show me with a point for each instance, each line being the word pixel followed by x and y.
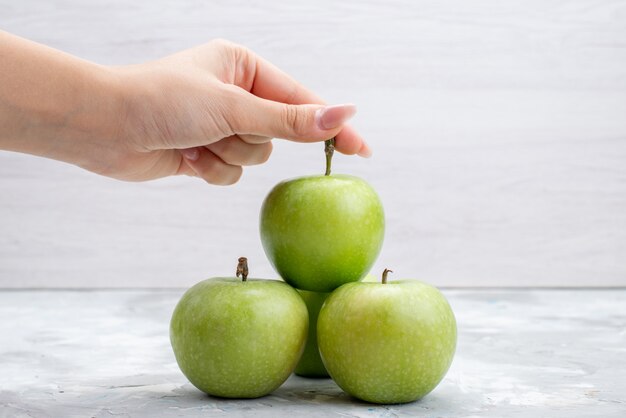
pixel 310 364
pixel 239 338
pixel 387 342
pixel 320 232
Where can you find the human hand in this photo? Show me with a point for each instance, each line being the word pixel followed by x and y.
pixel 205 112
pixel 210 110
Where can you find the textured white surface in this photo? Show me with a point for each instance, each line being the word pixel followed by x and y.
pixel 520 353
pixel 498 130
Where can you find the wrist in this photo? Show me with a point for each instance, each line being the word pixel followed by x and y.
pixel 94 122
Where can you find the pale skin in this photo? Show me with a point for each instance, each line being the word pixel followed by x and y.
pixel 207 111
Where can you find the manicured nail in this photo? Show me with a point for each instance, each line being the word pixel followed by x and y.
pixel 331 117
pixel 191 154
pixel 365 151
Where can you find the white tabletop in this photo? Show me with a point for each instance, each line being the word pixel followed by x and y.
pixel 521 353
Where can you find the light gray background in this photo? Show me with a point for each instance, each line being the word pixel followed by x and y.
pixel 498 129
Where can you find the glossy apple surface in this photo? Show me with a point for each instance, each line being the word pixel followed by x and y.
pixel 387 343
pixel 239 339
pixel 320 232
pixel 310 364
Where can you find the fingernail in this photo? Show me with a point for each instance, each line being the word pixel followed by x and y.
pixel 331 117
pixel 191 154
pixel 365 151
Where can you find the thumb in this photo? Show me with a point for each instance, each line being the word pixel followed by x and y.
pixel 301 123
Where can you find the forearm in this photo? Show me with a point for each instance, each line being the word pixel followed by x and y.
pixel 55 105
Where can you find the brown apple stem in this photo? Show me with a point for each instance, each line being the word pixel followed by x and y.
pixel 329 149
pixel 385 272
pixel 242 268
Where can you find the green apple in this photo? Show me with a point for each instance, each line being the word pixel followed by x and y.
pixel 239 338
pixel 310 364
pixel 387 342
pixel 320 232
pixel 369 278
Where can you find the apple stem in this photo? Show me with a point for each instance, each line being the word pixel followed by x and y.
pixel 242 268
pixel 385 272
pixel 329 149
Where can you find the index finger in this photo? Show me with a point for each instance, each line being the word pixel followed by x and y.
pixel 272 83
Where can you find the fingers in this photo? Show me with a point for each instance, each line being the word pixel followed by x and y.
pixel 249 71
pixel 349 142
pixel 203 163
pixel 301 123
pixel 235 151
pixel 220 163
pixel 254 139
pixel 266 81
pixel 272 83
pixel 255 100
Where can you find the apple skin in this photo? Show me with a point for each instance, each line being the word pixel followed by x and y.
pixel 239 339
pixel 310 364
pixel 387 343
pixel 320 232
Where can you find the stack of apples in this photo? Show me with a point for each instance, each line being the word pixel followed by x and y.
pixel 387 342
